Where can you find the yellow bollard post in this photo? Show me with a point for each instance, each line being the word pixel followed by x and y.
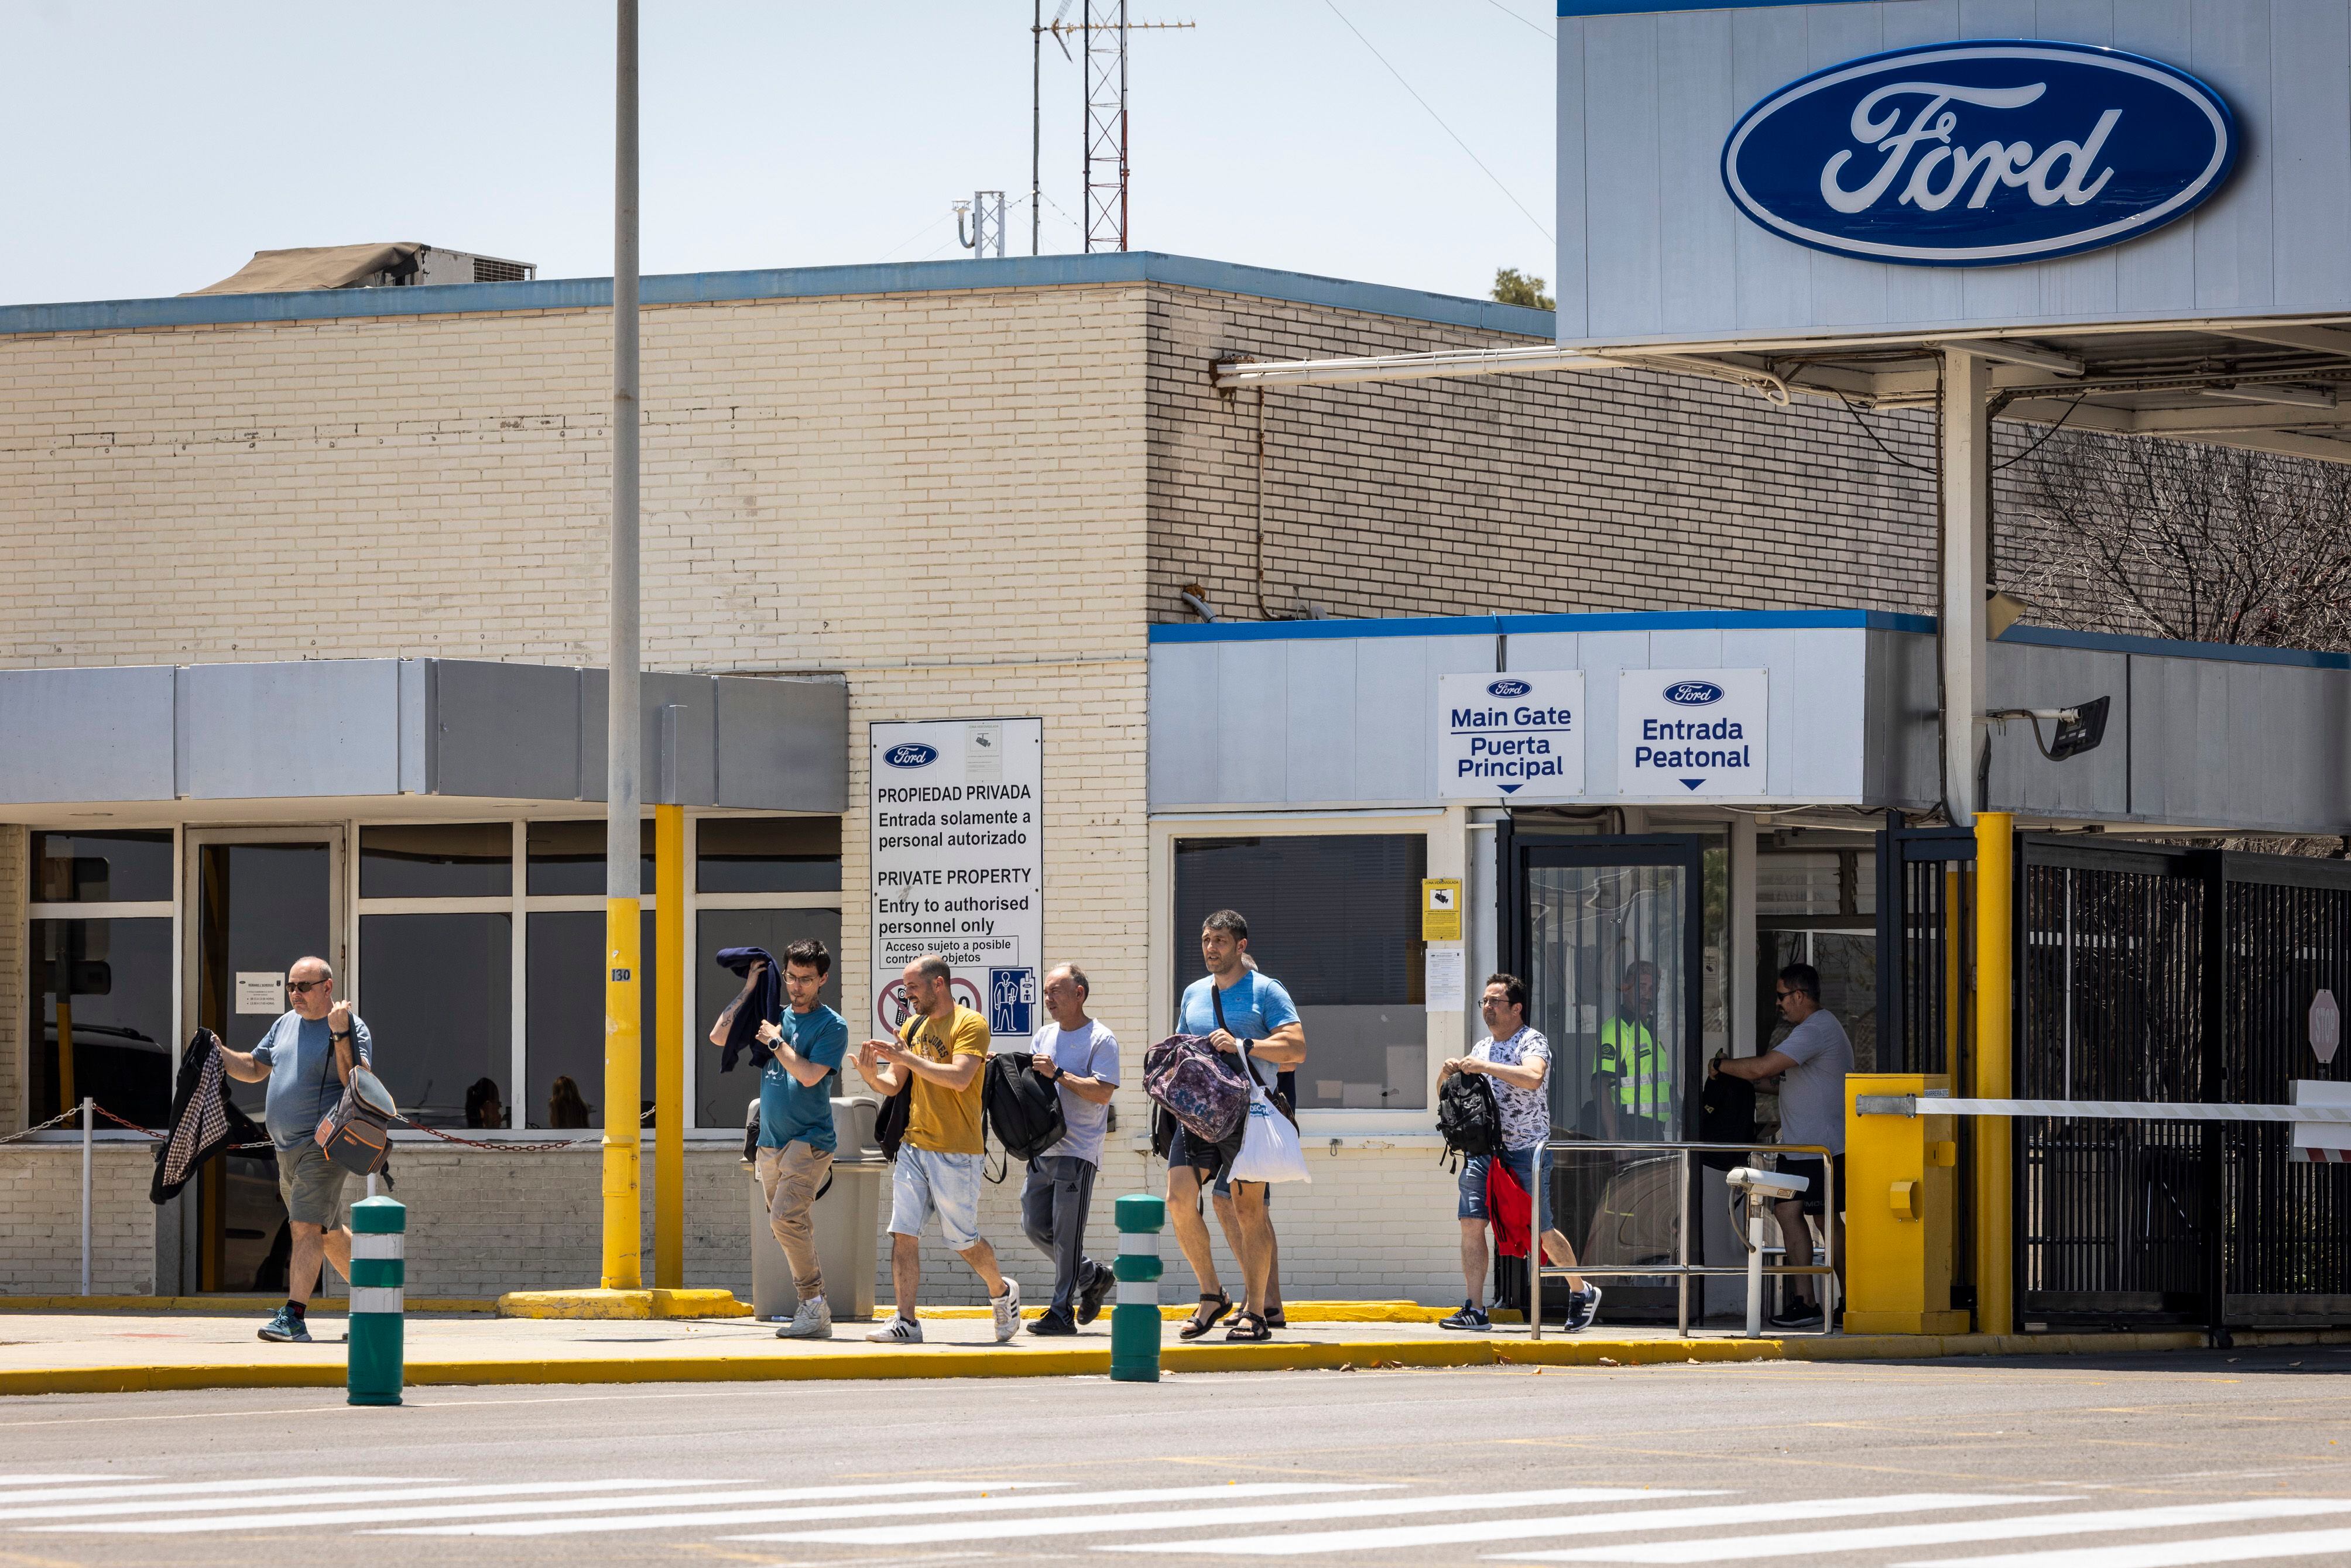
pixel 623 1220
pixel 1900 1204
pixel 1995 1211
pixel 669 1047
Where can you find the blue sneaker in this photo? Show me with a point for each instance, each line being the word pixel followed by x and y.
pixel 1472 1317
pixel 1583 1308
pixel 286 1329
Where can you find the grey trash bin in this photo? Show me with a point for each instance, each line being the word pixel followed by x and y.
pixel 848 1218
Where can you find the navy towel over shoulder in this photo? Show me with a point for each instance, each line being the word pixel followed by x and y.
pixel 766 998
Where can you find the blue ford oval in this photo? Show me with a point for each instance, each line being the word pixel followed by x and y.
pixel 1693 694
pixel 1975 154
pixel 913 754
pixel 1507 689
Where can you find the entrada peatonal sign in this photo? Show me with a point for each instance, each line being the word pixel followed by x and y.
pixel 1973 154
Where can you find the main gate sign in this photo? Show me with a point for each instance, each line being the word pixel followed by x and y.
pixel 1980 153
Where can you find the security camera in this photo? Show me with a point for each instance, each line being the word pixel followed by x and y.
pixel 1766 1183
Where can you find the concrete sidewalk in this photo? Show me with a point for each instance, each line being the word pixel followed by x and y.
pixel 65 1353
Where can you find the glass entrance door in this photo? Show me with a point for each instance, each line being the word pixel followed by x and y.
pixel 1608 933
pixel 261 899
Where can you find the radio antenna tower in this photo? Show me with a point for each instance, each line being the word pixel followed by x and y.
pixel 1104 172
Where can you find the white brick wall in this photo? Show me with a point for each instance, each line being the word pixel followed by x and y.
pixel 40 1236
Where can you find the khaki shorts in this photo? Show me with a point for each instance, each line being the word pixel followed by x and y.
pixel 311 1185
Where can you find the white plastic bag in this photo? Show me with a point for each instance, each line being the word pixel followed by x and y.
pixel 1270 1149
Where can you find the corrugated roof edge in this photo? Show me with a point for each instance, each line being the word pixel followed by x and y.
pixel 786 282
pixel 1723 620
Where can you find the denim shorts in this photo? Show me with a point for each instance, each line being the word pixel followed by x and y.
pixel 925 1182
pixel 1521 1165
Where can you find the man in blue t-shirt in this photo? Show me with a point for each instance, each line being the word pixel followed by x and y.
pixel 802 1049
pixel 1245 1014
pixel 307 1057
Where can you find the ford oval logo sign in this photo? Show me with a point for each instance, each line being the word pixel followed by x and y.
pixel 1507 689
pixel 913 754
pixel 1693 694
pixel 1980 153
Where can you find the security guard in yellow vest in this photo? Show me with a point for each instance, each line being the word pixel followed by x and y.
pixel 1633 1074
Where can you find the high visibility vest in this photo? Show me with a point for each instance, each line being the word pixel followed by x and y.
pixel 1630 1051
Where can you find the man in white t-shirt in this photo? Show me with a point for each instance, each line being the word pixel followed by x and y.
pixel 1811 1065
pixel 1079 1057
pixel 1514 1060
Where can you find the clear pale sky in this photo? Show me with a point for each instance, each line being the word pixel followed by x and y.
pixel 152 148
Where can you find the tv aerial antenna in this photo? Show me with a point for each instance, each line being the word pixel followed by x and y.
pixel 1101 28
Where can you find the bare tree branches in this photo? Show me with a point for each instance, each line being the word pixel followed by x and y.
pixel 2169 539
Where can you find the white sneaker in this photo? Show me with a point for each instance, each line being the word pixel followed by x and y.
pixel 813 1320
pixel 1008 1311
pixel 898 1331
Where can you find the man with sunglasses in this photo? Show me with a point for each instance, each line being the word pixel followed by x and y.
pixel 306 1058
pixel 1811 1064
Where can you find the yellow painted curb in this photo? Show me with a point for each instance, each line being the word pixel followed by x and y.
pixel 1297 1311
pixel 1023 1360
pixel 621 1304
pixel 329 1305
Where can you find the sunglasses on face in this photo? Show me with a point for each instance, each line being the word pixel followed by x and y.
pixel 303 988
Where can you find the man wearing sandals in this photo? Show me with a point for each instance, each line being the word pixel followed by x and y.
pixel 1248 1015
pixel 938 1166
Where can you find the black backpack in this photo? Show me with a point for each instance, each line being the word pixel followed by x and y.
pixel 890 1121
pixel 1023 1110
pixel 1468 1116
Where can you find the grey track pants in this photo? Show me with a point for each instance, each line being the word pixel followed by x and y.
pixel 1053 1205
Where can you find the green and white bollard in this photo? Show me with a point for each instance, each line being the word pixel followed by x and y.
pixel 379 1286
pixel 1135 1321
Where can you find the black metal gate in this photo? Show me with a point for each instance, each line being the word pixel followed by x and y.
pixel 1926 990
pixel 2178 976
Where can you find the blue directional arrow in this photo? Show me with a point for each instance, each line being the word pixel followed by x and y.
pixel 1693 783
pixel 1509 788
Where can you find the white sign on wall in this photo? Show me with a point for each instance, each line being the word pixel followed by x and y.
pixel 1514 737
pixel 261 991
pixel 1690 733
pixel 956 814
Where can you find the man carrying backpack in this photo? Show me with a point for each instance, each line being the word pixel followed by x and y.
pixel 1080 1058
pixel 803 1045
pixel 942 1052
pixel 1249 1016
pixel 1514 1060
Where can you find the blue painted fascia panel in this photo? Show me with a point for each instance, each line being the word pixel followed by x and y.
pixel 1650 7
pixel 786 282
pixel 1315 631
pixel 2165 648
pixel 1515 625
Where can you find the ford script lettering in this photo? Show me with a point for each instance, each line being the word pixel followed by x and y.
pixel 1693 694
pixel 913 754
pixel 1507 689
pixel 1977 154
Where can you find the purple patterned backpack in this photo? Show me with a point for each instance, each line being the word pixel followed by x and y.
pixel 1199 1086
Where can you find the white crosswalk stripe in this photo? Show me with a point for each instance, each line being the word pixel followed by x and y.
pixel 386 1507
pixel 8 1481
pixel 1119 1524
pixel 1816 1543
pixel 888 1510
pixel 2169 1555
pixel 47 1494
pixel 1471 1531
pixel 374 1503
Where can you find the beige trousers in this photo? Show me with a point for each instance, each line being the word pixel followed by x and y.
pixel 788 1179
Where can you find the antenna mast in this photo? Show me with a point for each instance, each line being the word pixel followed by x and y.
pixel 1105 161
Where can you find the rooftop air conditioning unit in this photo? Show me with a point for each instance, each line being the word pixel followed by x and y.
pixel 389 265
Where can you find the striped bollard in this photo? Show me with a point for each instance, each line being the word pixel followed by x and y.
pixel 379 1285
pixel 1135 1321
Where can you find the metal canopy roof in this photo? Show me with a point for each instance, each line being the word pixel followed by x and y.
pixel 2280 384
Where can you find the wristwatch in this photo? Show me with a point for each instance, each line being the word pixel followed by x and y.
pixel 1058 1073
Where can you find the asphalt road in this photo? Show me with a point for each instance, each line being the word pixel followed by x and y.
pixel 2138 1462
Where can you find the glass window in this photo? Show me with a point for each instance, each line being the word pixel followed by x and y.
pixel 568 858
pixel 1810 883
pixel 102 1017
pixel 768 854
pixel 437 860
pixel 721 1098
pixel 102 868
pixel 563 1002
pixel 1336 919
pixel 439 1008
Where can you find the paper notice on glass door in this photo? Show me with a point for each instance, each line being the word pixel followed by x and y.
pixel 1443 990
pixel 262 991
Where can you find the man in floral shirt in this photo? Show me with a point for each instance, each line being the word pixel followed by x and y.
pixel 1515 1059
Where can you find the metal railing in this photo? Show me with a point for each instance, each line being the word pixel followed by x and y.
pixel 1681 1270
